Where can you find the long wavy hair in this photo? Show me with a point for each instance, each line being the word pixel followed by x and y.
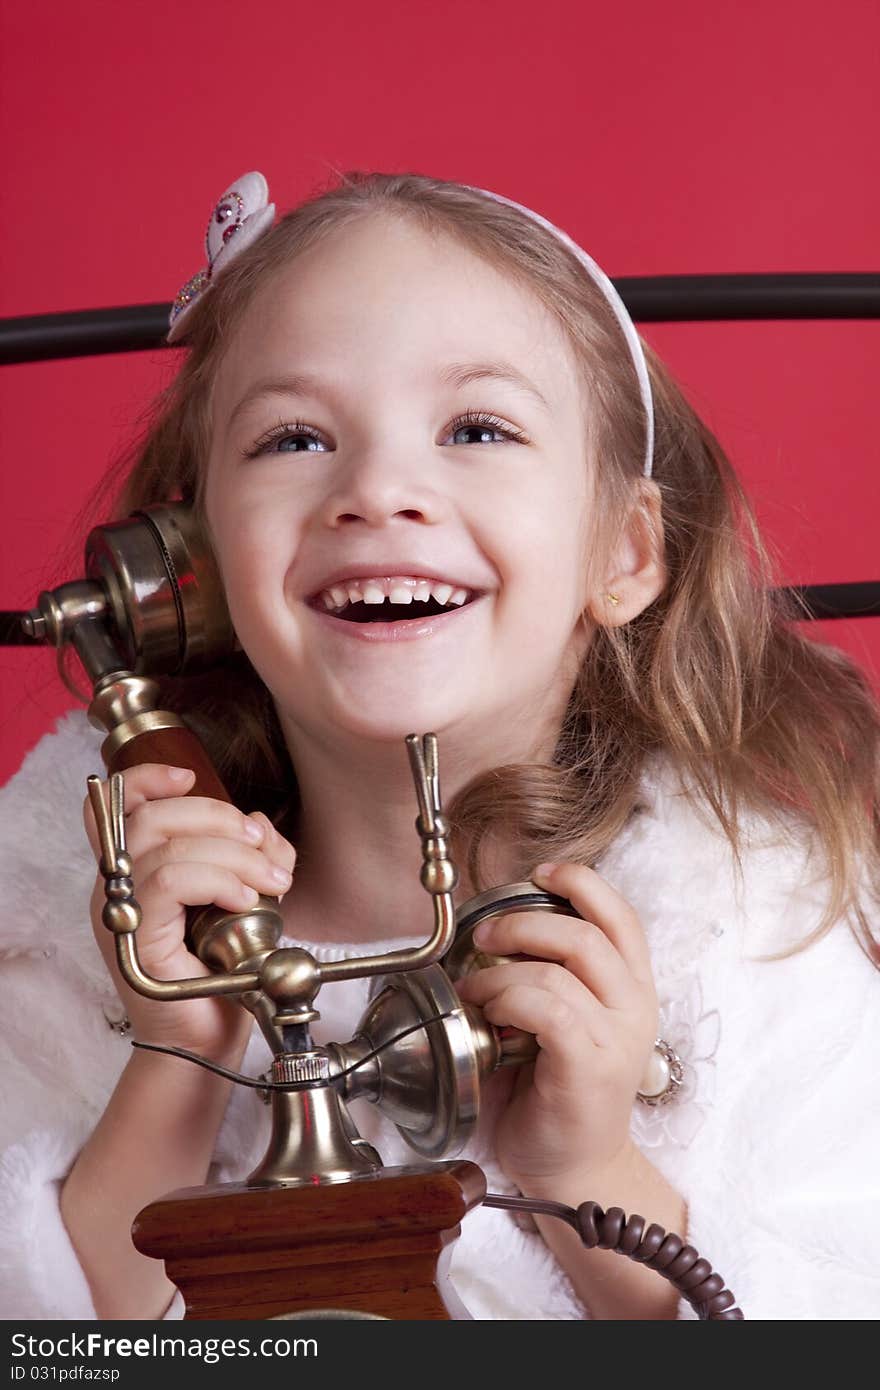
pixel 713 674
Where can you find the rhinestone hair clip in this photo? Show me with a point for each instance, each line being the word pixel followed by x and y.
pixel 240 216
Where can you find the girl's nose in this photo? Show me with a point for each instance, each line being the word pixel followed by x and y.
pixel 384 484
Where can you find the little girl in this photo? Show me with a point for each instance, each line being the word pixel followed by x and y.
pixel 513 531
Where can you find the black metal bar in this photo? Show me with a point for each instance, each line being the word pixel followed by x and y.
pixel 649 298
pixel 697 298
pixel 12 633
pixel 84 333
pixel 818 601
pixel 839 600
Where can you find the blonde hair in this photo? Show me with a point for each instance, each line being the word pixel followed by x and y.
pixel 713 674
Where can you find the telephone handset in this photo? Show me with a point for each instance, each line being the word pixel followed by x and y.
pixel 152 604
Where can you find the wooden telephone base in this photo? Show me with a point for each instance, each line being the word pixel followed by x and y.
pixel 375 1245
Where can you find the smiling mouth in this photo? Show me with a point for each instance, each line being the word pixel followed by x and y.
pixel 391 601
pixel 386 612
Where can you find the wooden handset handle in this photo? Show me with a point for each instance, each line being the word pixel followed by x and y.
pixel 159 736
pixel 175 747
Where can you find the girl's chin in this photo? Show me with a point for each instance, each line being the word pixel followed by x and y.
pixel 417 718
pixel 376 728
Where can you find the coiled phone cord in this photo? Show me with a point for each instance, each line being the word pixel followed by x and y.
pixel 681 1264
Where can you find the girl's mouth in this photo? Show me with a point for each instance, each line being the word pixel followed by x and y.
pixel 393 622
pixel 389 602
pixel 387 612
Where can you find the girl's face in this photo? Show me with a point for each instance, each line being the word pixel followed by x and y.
pixel 392 408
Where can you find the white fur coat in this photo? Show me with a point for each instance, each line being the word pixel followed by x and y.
pixel 774 1140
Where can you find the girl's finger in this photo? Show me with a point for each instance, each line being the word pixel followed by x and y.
pixel 146 782
pixel 485 987
pixel 279 850
pixel 581 947
pixel 249 865
pixel 568 1048
pixel 153 822
pixel 157 807
pixel 172 886
pixel 598 902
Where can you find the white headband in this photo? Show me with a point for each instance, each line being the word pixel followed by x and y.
pixel 599 278
pixel 244 213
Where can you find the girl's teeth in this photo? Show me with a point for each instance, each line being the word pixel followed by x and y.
pixel 400 594
pixel 373 591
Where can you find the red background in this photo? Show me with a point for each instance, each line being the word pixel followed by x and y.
pixel 683 137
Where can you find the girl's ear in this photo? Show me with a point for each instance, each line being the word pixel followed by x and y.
pixel 636 573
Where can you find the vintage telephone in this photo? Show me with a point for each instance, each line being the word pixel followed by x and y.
pixel 320 1225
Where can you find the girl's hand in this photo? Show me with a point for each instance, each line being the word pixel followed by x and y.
pixel 588 996
pixel 186 851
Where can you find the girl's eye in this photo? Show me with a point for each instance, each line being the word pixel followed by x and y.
pixel 478 423
pixel 287 439
pixel 301 438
